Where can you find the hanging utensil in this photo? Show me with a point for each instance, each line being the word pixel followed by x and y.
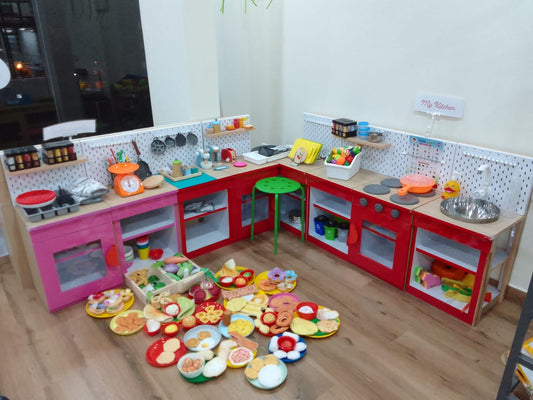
pixel 158 146
pixel 192 139
pixel 181 140
pixel 144 170
pixel 170 142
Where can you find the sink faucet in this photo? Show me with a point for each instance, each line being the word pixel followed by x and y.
pixel 484 190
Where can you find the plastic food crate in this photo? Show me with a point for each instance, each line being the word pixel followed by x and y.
pixel 341 171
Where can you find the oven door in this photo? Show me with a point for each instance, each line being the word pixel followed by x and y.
pixel 380 235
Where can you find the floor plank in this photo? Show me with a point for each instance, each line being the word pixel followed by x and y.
pixel 390 345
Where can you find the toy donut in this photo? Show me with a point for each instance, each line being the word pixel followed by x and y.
pixel 267 285
pixel 277 329
pixel 447 271
pixel 284 318
pixel 276 275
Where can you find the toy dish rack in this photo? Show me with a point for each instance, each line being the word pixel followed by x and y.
pixel 341 171
pixel 171 286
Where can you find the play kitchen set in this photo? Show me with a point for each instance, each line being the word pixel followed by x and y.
pixel 374 210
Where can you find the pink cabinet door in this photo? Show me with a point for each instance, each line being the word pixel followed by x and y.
pixel 74 266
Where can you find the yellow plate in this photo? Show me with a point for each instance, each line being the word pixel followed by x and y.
pixel 264 275
pixel 240 366
pixel 127 305
pixel 113 323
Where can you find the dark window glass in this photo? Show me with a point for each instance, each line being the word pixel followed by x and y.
pixel 70 60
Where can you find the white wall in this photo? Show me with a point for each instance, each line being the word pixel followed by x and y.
pixel 367 60
pixel 178 37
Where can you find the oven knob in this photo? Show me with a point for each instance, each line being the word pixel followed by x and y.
pixel 378 207
pixel 363 201
pixel 395 214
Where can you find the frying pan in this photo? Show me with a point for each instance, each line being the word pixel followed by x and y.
pixel 170 142
pixel 180 140
pixel 415 183
pixel 144 170
pixel 192 139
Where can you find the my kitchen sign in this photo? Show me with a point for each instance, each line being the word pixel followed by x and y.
pixel 439 105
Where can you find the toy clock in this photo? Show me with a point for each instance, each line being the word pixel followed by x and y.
pixel 126 183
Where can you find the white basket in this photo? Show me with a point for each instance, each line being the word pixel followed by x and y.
pixel 342 172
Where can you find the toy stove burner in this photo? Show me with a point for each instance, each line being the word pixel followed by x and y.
pixel 431 193
pixel 408 200
pixel 376 189
pixel 393 183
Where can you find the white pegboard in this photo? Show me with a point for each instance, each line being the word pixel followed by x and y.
pixel 511 174
pixel 98 149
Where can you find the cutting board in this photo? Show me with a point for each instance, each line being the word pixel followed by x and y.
pixel 312 148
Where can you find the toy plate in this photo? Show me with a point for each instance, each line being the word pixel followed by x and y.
pixel 264 275
pixel 113 323
pixel 203 344
pixel 281 365
pixel 224 329
pixel 156 348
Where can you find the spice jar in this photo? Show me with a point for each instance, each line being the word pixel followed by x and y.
pixel 10 160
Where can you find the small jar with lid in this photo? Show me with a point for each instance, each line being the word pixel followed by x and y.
pixel 10 160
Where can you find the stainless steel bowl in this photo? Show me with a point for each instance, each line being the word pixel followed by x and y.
pixel 468 209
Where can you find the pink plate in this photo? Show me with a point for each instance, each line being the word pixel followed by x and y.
pixel 239 164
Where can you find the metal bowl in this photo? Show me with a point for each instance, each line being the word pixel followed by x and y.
pixel 468 209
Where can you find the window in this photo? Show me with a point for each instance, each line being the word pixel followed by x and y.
pixel 70 60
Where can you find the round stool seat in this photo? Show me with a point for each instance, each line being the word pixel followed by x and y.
pixel 277 184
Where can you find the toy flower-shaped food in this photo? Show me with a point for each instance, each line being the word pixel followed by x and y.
pixel 290 276
pixel 276 275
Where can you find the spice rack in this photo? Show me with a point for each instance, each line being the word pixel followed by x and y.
pixel 229 132
pixel 46 167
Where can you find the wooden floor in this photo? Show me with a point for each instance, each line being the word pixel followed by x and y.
pixel 390 345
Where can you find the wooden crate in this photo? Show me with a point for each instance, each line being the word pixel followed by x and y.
pixel 172 286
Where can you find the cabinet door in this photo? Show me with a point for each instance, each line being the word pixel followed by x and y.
pixel 461 250
pixel 204 218
pixel 328 202
pixel 74 266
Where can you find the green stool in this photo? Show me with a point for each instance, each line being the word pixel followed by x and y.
pixel 277 185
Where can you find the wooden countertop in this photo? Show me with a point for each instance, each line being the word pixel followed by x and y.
pixel 429 206
pixel 490 230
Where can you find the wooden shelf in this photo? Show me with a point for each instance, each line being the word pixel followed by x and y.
pixel 380 145
pixel 225 133
pixel 46 167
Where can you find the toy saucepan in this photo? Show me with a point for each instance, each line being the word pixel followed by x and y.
pixel 415 183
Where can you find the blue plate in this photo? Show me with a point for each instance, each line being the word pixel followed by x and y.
pixel 224 329
pixel 302 353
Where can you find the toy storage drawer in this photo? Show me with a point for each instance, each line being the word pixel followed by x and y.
pixel 140 207
pixel 75 225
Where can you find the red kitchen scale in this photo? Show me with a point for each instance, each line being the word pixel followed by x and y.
pixel 126 183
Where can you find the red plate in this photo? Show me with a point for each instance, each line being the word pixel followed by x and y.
pixel 36 198
pixel 203 306
pixel 156 348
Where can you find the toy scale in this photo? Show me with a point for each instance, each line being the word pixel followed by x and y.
pixel 126 183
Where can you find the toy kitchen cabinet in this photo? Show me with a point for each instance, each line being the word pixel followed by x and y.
pixel 486 251
pixel 153 217
pixel 204 217
pixel 67 257
pixel 328 203
pixel 380 237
